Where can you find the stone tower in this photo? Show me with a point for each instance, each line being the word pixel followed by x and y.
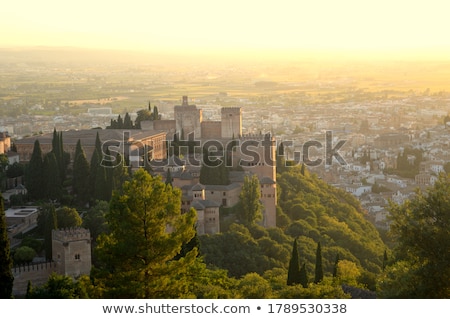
pixel 71 250
pixel 188 119
pixel 231 122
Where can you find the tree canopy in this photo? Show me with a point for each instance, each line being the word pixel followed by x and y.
pixel 6 277
pixel 147 230
pixel 250 200
pixel 421 228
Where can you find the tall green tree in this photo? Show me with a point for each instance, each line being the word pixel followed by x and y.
pixel 93 168
pixel 98 145
pixel 385 260
pixel 102 190
pixel 53 185
pixel 304 276
pixel 35 182
pixel 420 228
pixel 61 157
pixel 318 273
pixel 81 175
pixel 293 277
pixel 127 122
pixel 335 266
pixel 250 200
pixel 169 177
pixel 6 276
pixel 147 230
pixel 47 221
pixel 155 113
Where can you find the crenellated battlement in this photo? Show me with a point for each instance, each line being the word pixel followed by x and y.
pixel 232 109
pixel 257 137
pixel 71 234
pixel 37 267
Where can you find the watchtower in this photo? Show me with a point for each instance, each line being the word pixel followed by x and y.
pixel 71 249
pixel 231 122
pixel 188 119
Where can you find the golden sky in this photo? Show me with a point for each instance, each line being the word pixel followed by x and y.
pixel 228 25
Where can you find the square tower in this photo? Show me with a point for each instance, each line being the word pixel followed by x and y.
pixel 188 119
pixel 231 122
pixel 71 250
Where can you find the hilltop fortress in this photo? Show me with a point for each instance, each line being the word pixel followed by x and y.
pixel 250 154
pixel 188 121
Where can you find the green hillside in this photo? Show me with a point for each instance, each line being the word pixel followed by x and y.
pixel 311 211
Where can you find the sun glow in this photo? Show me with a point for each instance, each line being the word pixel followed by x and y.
pixel 229 26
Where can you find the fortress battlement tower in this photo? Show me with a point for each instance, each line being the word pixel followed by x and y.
pixel 71 250
pixel 188 118
pixel 231 122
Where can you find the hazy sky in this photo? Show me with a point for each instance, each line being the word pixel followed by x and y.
pixel 227 24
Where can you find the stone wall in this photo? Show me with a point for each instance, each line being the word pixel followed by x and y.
pixel 37 274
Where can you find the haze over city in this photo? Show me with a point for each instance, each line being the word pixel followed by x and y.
pixel 106 106
pixel 232 27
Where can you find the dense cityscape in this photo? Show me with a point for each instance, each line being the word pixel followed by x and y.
pixel 286 161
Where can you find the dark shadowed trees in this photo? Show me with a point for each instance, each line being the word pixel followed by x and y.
pixel 294 266
pixel 34 173
pixel 6 277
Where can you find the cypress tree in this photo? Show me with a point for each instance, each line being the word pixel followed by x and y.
pixel 94 166
pixel 35 175
pixel 81 174
pixel 294 266
pixel 53 185
pixel 119 122
pixel 49 224
pixel 169 178
pixel 64 158
pixel 303 276
pixel 385 260
pixel 56 150
pixel 155 113
pixel 102 190
pixel 335 268
pixel 6 276
pixel 319 268
pixel 127 123
pixel 55 142
pixel 109 173
pixel 78 150
pixel 98 145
